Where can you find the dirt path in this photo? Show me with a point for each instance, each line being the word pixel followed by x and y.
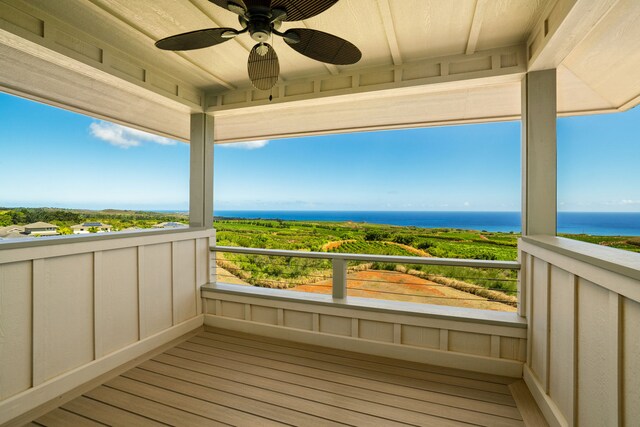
pixel 391 285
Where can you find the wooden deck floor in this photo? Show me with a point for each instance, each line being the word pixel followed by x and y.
pixel 225 378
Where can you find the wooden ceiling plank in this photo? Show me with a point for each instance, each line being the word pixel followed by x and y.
pixel 111 15
pixel 390 31
pixel 476 26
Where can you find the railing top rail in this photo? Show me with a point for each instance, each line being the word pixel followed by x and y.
pixel 454 262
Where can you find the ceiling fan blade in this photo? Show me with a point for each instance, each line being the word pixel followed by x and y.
pixel 196 39
pixel 263 68
pixel 323 47
pixel 298 10
pixel 235 6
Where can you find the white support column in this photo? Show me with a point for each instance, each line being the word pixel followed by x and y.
pixel 201 171
pixel 539 153
pixel 339 278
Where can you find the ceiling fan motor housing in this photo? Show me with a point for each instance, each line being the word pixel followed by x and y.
pixel 259 24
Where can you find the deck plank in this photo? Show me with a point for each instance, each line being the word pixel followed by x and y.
pixel 364 364
pixel 107 414
pixel 229 378
pixel 303 401
pixel 354 399
pixel 254 408
pixel 147 408
pixel 187 403
pixel 61 418
pixel 331 368
pixel 491 378
pixel 188 350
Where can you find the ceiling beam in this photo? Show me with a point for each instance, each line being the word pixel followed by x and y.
pixel 561 28
pixel 390 31
pixel 476 25
pixel 455 71
pixel 38 34
pixel 28 71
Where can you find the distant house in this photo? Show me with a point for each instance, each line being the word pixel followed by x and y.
pixel 170 224
pixel 88 227
pixel 11 229
pixel 41 229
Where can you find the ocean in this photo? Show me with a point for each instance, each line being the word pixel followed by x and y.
pixel 594 223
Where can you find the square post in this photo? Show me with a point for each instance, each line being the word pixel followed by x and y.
pixel 201 171
pixel 539 169
pixel 339 278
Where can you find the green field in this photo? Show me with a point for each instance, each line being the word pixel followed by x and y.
pixel 343 237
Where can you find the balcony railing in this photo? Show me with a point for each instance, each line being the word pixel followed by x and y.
pixel 458 282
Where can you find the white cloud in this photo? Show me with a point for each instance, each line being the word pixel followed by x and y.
pixel 124 137
pixel 247 145
pixel 466 204
pixel 630 202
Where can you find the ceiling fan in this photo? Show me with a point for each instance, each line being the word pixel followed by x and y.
pixel 261 19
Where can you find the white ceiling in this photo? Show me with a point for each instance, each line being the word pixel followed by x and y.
pixel 421 28
pixel 595 46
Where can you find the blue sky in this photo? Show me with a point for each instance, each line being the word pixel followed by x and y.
pixel 52 157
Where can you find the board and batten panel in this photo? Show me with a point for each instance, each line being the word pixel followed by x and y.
pixel 593 350
pixel 631 362
pixel 376 331
pixel 15 328
pixel 561 340
pixel 470 343
pixel 184 281
pixel 420 336
pixel 117 299
pixel 539 326
pixel 202 266
pixel 336 325
pixel 233 309
pixel 266 315
pixel 63 315
pixel 155 290
pixel 298 320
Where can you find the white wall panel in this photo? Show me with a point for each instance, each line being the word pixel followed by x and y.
pixel 561 340
pixel 335 325
pixel 594 313
pixel 65 303
pixel 376 331
pixel 266 315
pixel 539 323
pixel 15 328
pixel 421 337
pixel 465 342
pixel 232 309
pixel 156 290
pixel 184 280
pixel 117 301
pixel 593 349
pixel 63 316
pixel 298 320
pixel 631 362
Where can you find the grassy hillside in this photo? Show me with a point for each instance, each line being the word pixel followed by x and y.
pixel 341 237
